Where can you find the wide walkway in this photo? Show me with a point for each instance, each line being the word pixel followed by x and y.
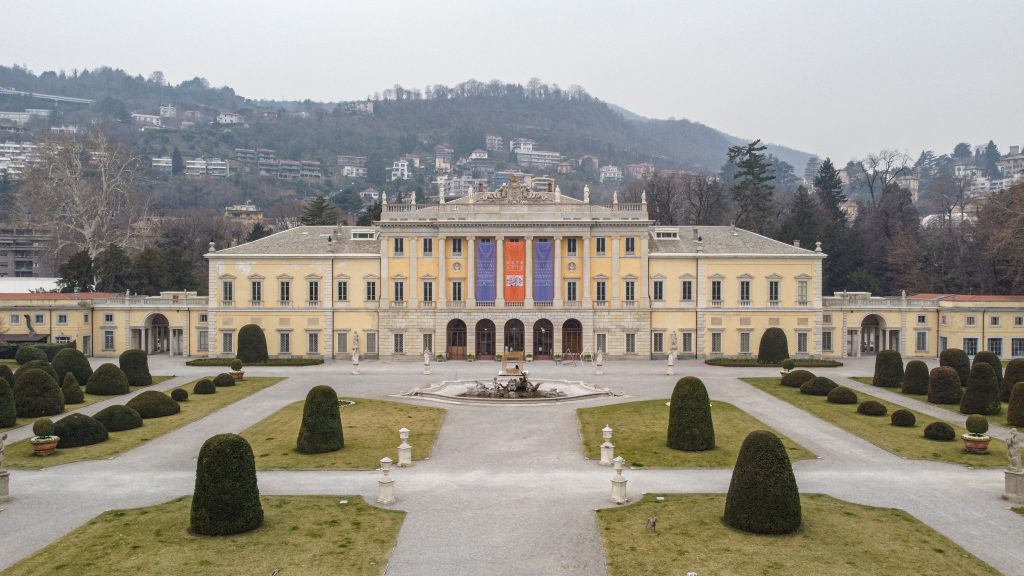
pixel 507 491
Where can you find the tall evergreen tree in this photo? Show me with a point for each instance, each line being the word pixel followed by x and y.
pixel 829 187
pixel 991 159
pixel 113 270
pixel 76 273
pixel 177 162
pixel 149 272
pixel 752 189
pixel 370 215
pixel 180 275
pixel 319 212
pixel 962 151
pixel 257 231
pixel 803 220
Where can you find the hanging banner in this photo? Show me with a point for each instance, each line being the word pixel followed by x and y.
pixel 543 271
pixel 515 270
pixel 485 271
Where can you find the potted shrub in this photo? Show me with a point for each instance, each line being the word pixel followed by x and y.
pixel 975 440
pixel 439 358
pixel 558 357
pixel 587 357
pixel 44 442
pixel 529 357
pixel 787 366
pixel 497 357
pixel 236 370
pixel 470 357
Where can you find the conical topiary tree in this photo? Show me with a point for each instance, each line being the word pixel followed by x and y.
pixel 992 360
pixel 982 393
pixel 774 347
pixel 944 386
pixel 135 365
pixel 252 344
pixel 690 427
pixel 1015 409
pixel 321 422
pixel 1014 373
pixel 71 360
pixel 71 389
pixel 226 498
pixel 888 369
pixel 915 378
pixel 763 496
pixel 8 412
pixel 957 359
pixel 107 380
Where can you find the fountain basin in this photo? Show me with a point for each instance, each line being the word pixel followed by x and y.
pixel 549 391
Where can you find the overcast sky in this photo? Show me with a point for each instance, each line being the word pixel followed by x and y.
pixel 837 79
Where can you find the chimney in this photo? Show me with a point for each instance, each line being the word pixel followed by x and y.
pixel 796 242
pixel 696 234
pixel 1014 150
pixel 733 226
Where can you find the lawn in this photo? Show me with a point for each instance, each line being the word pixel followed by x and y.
pixel 19 454
pixel 307 535
pixel 905 442
pixel 837 538
pixel 371 433
pixel 640 430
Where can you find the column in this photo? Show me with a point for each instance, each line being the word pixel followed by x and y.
pixel 441 290
pixel 384 279
pixel 499 272
pixel 558 277
pixel 470 287
pixel 414 280
pixel 615 280
pixel 528 274
pixel 586 272
pixel 645 286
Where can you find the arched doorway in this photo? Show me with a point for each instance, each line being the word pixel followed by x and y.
pixel 485 333
pixel 515 339
pixel 456 340
pixel 872 334
pixel 572 337
pixel 543 340
pixel 156 337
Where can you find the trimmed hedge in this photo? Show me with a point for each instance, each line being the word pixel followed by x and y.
pixel 956 359
pixel 77 430
pixel 871 408
pixel 26 354
pixel 915 378
pixel 252 344
pixel 153 404
pixel 753 363
pixel 1015 409
pixel 842 395
pixel 71 389
pixel 819 386
pixel 42 427
pixel 7 374
pixel 8 412
pixel 118 418
pixel 1014 374
pixel 690 427
pixel 223 380
pixel 36 394
pixel 107 380
pixel 992 360
pixel 135 365
pixel 71 360
pixel 976 424
pixel 939 431
pixel 179 395
pixel 903 418
pixel 774 347
pixel 944 386
pixel 43 365
pixel 321 429
pixel 271 362
pixel 796 378
pixel 888 369
pixel 226 499
pixel 788 364
pixel 763 496
pixel 982 393
pixel 204 386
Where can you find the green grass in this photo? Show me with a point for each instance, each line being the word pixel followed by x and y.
pixel 641 428
pixel 905 442
pixel 19 454
pixel 995 419
pixel 837 539
pixel 308 535
pixel 370 428
pixel 10 362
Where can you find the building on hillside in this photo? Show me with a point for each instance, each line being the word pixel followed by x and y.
pixel 589 162
pixel 168 111
pixel 163 164
pixel 64 129
pixel 245 155
pixel 478 154
pixel 363 107
pixel 399 170
pixel 521 144
pixel 24 251
pixel 195 167
pixel 610 174
pixel 16 156
pixel 370 196
pixel 247 213
pixel 22 118
pixel 564 167
pixel 444 155
pixel 148 119
pixel 269 168
pixel 494 143
pixel 542 184
pixel 310 171
pixel 412 159
pixel 354 172
pixel 354 161
pixel 1012 164
pixel 458 186
pixel 640 171
pixel 229 118
pixel 541 159
pixel 503 177
pixel 218 168
pixel 910 183
pixel 289 170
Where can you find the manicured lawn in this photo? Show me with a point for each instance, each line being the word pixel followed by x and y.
pixel 905 442
pixel 837 538
pixel 640 430
pixel 371 433
pixel 10 362
pixel 19 454
pixel 309 535
pixel 997 419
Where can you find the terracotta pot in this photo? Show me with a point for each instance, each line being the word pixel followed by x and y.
pixel 237 376
pixel 44 445
pixel 976 444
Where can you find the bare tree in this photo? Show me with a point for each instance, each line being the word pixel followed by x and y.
pixel 704 198
pixel 882 168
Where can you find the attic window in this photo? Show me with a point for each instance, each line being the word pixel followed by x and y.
pixel 363 234
pixel 667 234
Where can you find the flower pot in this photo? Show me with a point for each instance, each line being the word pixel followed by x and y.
pixel 44 445
pixel 238 376
pixel 976 443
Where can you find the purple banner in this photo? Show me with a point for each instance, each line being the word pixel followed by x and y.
pixel 486 270
pixel 543 271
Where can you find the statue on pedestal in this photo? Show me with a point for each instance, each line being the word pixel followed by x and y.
pixel 1012 451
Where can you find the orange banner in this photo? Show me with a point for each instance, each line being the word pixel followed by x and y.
pixel 515 270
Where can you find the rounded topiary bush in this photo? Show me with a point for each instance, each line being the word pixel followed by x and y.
pixel 915 378
pixel 119 417
pixel 77 430
pixel 236 365
pixel 26 354
pixel 888 369
pixel 204 386
pixel 1014 374
pixel 939 431
pixel 774 347
pixel 763 496
pixel 788 364
pixel 992 360
pixel 6 373
pixel 71 389
pixel 903 418
pixel 321 429
pixel 179 395
pixel 8 412
pixel 43 365
pixel 72 361
pixel 223 380
pixel 976 424
pixel 135 365
pixel 690 427
pixel 153 404
pixel 42 427
pixel 871 408
pixel 252 344
pixel 1015 409
pixel 107 380
pixel 842 395
pixel 944 386
pixel 226 499
pixel 956 359
pixel 36 394
pixel 796 378
pixel 982 393
pixel 819 386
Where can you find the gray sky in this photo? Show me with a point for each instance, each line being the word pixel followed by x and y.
pixel 834 78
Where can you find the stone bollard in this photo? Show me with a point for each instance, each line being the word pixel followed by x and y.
pixel 5 476
pixel 355 363
pixel 607 449
pixel 599 364
pixel 404 449
pixel 386 485
pixel 618 482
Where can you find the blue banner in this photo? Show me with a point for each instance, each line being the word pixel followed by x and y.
pixel 543 271
pixel 486 270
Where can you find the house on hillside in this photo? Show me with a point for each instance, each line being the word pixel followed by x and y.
pixel 610 174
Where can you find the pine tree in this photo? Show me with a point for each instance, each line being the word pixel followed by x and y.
pixel 177 162
pixel 257 231
pixel 113 269
pixel 371 214
pixel 76 273
pixel 962 151
pixel 319 212
pixel 829 187
pixel 752 190
pixel 991 159
pixel 803 221
pixel 149 272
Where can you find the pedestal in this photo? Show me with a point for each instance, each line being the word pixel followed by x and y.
pixel 5 485
pixel 385 491
pixel 355 364
pixel 670 370
pixel 619 490
pixel 1014 487
pixel 426 369
pixel 404 455
pixel 600 370
pixel 607 453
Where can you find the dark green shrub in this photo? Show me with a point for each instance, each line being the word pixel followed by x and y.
pixel 321 429
pixel 944 386
pixel 50 350
pixel 226 498
pixel 72 361
pixel 888 369
pixel 153 404
pixel 119 417
pixel 982 393
pixel 135 365
pixel 107 380
pixel 939 431
pixel 842 395
pixel 976 424
pixel 1015 409
pixel 903 418
pixel 992 360
pixel 71 389
pixel 36 394
pixel 788 364
pixel 40 364
pixel 956 359
pixel 236 365
pixel 1014 373
pixel 204 386
pixel 28 353
pixel 42 427
pixel 6 373
pixel 796 378
pixel 79 430
pixel 871 408
pixel 763 496
pixel 915 378
pixel 8 412
pixel 252 344
pixel 819 386
pixel 774 346
pixel 179 395
pixel 223 379
pixel 690 427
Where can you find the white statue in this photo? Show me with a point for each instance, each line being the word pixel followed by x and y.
pixel 426 357
pixel 615 197
pixel 643 196
pixel 558 194
pixel 440 197
pixel 3 440
pixel 383 197
pixel 412 198
pixel 586 194
pixel 1013 451
pixel 674 347
pixel 600 358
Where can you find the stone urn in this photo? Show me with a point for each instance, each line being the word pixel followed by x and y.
pixel 976 443
pixel 44 445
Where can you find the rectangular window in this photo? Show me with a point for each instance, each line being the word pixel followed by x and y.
pixel 971 321
pixel 399 246
pixel 942 320
pixel 456 246
pixel 688 290
pixel 457 291
pixel 744 342
pixel 108 339
pixel 343 290
pixel 801 342
pixel 826 319
pixel 204 340
pixel 86 318
pixel 313 343
pixel 602 343
pixel 428 291
pixel 428 342
pixel 773 292
pixel 399 293
pixel 228 342
pixel 659 290
pixel 39 319
pixel 801 293
pixel 342 342
pixel 371 342
pixel 202 318
pixel 108 318
pixel 371 291
pixel 1018 321
pixel 256 291
pixel 826 341
pixel 744 292
pixel 428 246
pixel 1017 347
pixel 658 341
pixel 285 291
pixel 922 342
pixel 716 342
pixel 971 346
pixel 570 246
pixel 630 246
pixel 62 318
pixel 630 343
pixel 314 292
pixel 285 339
pixel 716 292
pixel 601 291
pixel 688 342
pixel 943 343
pixel 570 290
pixel 228 291
pixel 993 321
pixel 922 319
pixel 399 343
pixel 600 246
pixel 630 291
pixel 62 339
pixel 995 346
